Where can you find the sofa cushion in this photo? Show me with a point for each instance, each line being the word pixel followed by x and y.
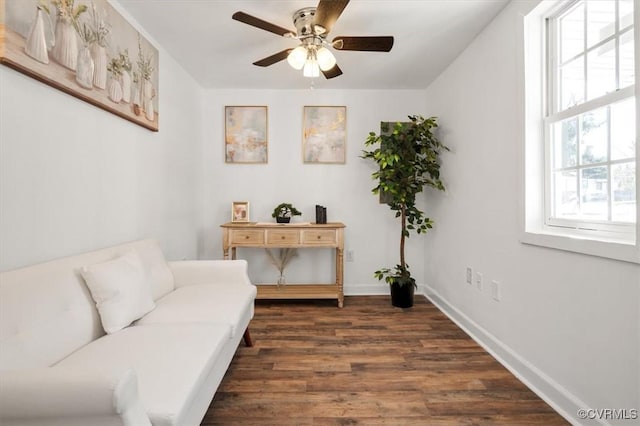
pixel 120 289
pixel 46 309
pixel 171 361
pixel 158 273
pixel 206 303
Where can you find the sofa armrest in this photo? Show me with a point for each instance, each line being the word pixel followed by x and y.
pixel 194 272
pixel 60 395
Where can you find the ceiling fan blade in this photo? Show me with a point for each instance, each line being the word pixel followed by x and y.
pixel 270 60
pixel 263 25
pixel 333 72
pixel 328 12
pixel 370 44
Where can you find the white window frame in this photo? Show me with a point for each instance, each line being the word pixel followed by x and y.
pixel 608 241
pixel 607 229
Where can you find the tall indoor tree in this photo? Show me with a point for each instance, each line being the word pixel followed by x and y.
pixel 408 159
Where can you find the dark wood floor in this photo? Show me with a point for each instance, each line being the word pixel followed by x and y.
pixel 368 364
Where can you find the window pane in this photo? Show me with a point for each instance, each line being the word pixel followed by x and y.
pixel 625 9
pixel 572 33
pixel 594 136
pixel 593 188
pixel 623 130
pixel 565 143
pixel 572 83
pixel 601 70
pixel 627 71
pixel 623 186
pixel 565 190
pixel 601 16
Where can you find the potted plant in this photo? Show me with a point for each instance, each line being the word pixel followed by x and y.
pixel 408 159
pixel 284 211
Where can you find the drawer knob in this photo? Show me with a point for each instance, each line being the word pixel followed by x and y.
pixel 246 237
pixel 282 238
pixel 318 237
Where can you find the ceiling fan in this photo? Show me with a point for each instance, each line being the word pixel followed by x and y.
pixel 313 24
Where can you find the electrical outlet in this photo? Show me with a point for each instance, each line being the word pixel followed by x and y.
pixel 479 280
pixel 469 274
pixel 350 256
pixel 495 290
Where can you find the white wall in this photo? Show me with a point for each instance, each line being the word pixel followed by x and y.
pixel 567 323
pixel 372 231
pixel 74 177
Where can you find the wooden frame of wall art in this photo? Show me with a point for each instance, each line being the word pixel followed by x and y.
pixel 84 48
pixel 240 211
pixel 245 134
pixel 324 134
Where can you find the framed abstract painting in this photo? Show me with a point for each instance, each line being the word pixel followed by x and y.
pixel 245 134
pixel 324 137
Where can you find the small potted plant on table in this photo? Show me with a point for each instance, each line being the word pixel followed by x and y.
pixel 284 211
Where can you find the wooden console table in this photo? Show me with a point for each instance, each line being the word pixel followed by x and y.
pixel 273 235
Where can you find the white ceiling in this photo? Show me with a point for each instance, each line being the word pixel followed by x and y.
pixel 218 51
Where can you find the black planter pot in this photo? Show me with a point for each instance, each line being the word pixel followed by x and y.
pixel 402 295
pixel 283 219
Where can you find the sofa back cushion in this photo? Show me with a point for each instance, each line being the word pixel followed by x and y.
pixel 46 310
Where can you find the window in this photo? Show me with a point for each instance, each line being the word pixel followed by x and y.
pixel 590 120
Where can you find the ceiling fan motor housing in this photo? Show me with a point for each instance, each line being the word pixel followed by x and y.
pixel 303 21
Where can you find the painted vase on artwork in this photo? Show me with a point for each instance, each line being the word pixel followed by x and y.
pixel 149 94
pixel 65 51
pixel 36 43
pixel 99 56
pixel 84 68
pixel 115 90
pixel 126 87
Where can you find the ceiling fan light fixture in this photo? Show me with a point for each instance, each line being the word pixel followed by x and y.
pixel 311 68
pixel 297 57
pixel 326 60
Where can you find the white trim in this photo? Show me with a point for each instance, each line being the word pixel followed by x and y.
pixel 366 289
pixel 559 398
pixel 593 104
pixel 607 249
pixel 534 168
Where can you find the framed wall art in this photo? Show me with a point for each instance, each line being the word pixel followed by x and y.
pixel 84 48
pixel 324 136
pixel 240 211
pixel 245 134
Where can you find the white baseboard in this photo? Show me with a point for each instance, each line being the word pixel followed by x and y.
pixel 563 401
pixel 366 290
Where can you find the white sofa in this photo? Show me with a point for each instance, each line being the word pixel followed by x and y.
pixel 58 367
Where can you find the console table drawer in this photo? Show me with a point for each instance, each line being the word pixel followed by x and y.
pixel 247 236
pixel 319 236
pixel 283 236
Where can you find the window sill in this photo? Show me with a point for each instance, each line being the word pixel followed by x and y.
pixel 617 250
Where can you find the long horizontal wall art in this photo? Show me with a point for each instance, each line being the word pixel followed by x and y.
pixel 86 49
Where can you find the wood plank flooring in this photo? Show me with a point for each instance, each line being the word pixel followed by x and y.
pixel 368 364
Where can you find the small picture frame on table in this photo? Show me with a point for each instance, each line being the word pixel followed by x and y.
pixel 240 211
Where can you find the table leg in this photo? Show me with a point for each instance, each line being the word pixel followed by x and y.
pixel 340 275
